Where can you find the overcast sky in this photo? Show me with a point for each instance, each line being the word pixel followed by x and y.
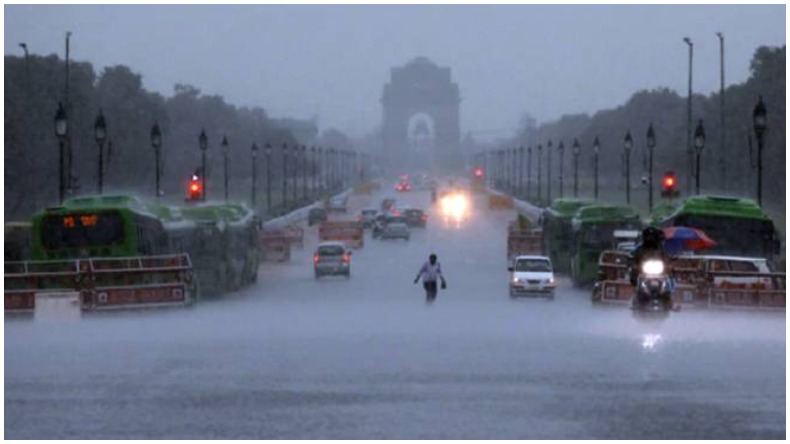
pixel 332 61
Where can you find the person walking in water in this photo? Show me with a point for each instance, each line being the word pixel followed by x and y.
pixel 430 272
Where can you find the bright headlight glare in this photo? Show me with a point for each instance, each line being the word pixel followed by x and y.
pixel 653 267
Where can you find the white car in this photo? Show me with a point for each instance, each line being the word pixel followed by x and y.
pixel 531 276
pixel 720 266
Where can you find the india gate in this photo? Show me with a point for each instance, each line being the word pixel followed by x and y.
pixel 420 128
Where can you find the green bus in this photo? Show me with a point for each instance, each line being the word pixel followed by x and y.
pixel 738 226
pixel 221 240
pixel 592 229
pixel 557 233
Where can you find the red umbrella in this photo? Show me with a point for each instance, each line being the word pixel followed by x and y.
pixel 686 238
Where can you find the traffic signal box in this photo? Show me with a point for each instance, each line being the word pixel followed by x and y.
pixel 669 185
pixel 195 188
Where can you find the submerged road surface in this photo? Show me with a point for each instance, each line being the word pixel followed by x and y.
pixel 293 357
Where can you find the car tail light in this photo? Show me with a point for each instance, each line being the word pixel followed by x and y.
pixel 316 258
pixel 424 217
pixel 346 258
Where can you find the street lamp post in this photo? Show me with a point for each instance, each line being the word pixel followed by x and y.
pixel 225 149
pixel 62 132
pixel 540 169
pixel 254 153
pixel 548 173
pixel 596 152
pixel 321 170
pixel 100 133
pixel 268 151
pixel 156 143
pixel 699 143
pixel 529 172
pixel 722 155
pixel 688 113
pixel 759 116
pixel 514 164
pixel 304 173
pixel 315 173
pixel 561 149
pixel 203 142
pixel 296 173
pixel 628 143
pixel 285 175
pixel 521 171
pixel 577 149
pixel 651 143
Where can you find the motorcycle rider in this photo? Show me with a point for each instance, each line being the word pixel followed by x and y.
pixel 429 272
pixel 650 246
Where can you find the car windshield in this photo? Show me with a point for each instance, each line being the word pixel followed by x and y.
pixel 330 250
pixel 533 265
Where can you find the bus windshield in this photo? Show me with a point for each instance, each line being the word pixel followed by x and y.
pixel 80 230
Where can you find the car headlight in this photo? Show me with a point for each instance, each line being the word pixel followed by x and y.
pixel 653 267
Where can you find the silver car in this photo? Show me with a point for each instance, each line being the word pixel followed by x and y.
pixel 396 230
pixel 332 258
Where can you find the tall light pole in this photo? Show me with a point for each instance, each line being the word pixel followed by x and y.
pixel 521 171
pixel 100 134
pixel 628 143
pixel 651 144
pixel 285 175
pixel 225 148
pixel 304 173
pixel 596 153
pixel 203 143
pixel 529 172
pixel 577 149
pixel 315 173
pixel 67 141
pixel 321 170
pixel 688 115
pixel 722 128
pixel 267 149
pixel 561 150
pixel 548 173
pixel 760 120
pixel 296 173
pixel 62 132
pixel 156 143
pixel 254 155
pixel 699 144
pixel 540 168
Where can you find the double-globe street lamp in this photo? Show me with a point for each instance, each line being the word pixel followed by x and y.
pixel 100 134
pixel 62 132
pixel 596 152
pixel 577 150
pixel 699 144
pixel 651 144
pixel 628 143
pixel 225 148
pixel 156 143
pixel 254 159
pixel 203 143
pixel 760 121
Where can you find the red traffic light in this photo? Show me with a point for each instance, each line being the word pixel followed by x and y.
pixel 669 182
pixel 669 185
pixel 195 188
pixel 478 172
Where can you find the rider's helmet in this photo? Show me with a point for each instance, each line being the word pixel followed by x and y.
pixel 652 237
pixel 432 259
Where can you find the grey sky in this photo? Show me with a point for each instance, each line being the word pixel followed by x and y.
pixel 332 61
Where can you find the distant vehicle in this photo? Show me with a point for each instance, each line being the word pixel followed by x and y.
pixel 396 230
pixel 415 217
pixel 558 230
pixel 316 215
pixel 736 264
pixel 368 216
pixel 531 276
pixel 403 186
pixel 387 204
pixel 332 258
pixel 338 204
pixel 382 220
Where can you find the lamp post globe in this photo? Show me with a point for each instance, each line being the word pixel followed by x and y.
pixel 100 134
pixel 62 132
pixel 576 152
pixel 760 118
pixel 596 153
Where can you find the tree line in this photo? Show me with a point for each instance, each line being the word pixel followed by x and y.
pixel 729 169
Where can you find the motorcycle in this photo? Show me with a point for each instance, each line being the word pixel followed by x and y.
pixel 653 293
